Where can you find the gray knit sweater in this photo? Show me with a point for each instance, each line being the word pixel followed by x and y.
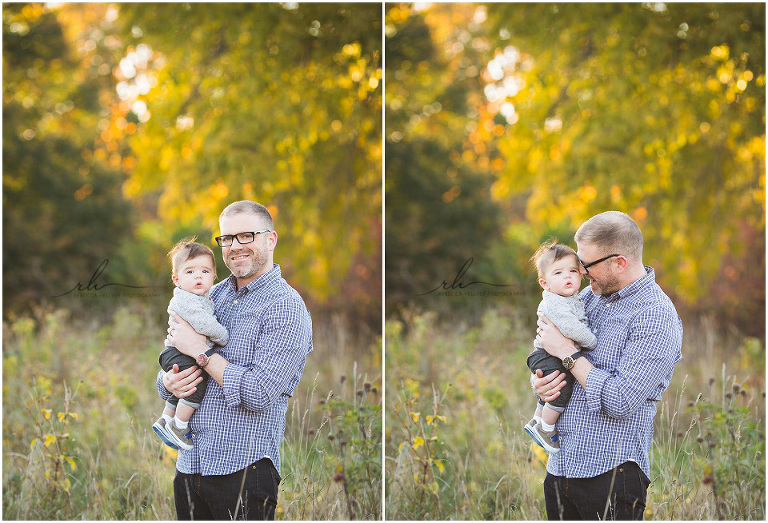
pixel 198 311
pixel 567 313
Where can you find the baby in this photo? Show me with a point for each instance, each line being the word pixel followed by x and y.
pixel 559 276
pixel 193 272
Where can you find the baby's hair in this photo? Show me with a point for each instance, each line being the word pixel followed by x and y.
pixel 188 249
pixel 549 253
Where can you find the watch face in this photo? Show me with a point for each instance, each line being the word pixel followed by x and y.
pixel 568 363
pixel 202 360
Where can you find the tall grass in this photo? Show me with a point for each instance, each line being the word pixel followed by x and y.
pixel 79 400
pixel 470 459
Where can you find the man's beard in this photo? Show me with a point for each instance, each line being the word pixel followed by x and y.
pixel 258 263
pixel 605 286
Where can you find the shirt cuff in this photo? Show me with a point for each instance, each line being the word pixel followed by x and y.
pixel 594 390
pixel 230 384
pixel 161 390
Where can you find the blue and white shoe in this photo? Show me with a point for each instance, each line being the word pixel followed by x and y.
pixel 530 428
pixel 546 440
pixel 182 438
pixel 160 429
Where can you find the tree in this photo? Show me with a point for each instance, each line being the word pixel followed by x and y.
pixel 62 209
pixel 437 182
pixel 270 102
pixel 654 109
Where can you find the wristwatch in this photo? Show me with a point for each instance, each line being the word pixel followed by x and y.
pixel 203 358
pixel 568 361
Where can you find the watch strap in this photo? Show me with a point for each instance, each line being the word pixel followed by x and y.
pixel 577 355
pixel 210 352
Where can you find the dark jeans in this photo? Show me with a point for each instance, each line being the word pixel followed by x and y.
pixel 616 494
pixel 252 492
pixel 540 359
pixel 167 359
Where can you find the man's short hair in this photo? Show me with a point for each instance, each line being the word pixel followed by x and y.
pixel 549 253
pixel 613 231
pixel 188 249
pixel 249 207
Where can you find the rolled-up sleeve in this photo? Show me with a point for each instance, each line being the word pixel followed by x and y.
pixel 284 341
pixel 645 368
pixel 161 390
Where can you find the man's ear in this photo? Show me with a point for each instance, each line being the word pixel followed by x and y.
pixel 621 263
pixel 273 240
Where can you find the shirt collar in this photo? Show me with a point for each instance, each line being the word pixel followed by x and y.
pixel 636 285
pixel 264 280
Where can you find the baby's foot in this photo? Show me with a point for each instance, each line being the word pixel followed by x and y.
pixel 181 437
pixel 161 430
pixel 547 440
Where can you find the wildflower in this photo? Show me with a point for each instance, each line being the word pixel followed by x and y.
pixel 728 395
pixel 311 432
pixel 374 390
pixel 331 437
pixel 339 476
pixel 711 381
pixel 707 479
pixel 343 378
pixel 699 439
pixel 736 388
pixel 360 393
pixel 367 386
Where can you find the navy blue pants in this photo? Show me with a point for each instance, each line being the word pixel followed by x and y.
pixel 251 492
pixel 619 493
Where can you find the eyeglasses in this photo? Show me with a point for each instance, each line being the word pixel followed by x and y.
pixel 588 265
pixel 226 240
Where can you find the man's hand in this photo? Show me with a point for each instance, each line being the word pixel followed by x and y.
pixel 184 337
pixel 548 387
pixel 552 340
pixel 182 384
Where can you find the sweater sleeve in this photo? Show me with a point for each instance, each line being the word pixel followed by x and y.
pixel 560 312
pixel 199 314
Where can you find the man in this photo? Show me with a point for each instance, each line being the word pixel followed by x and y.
pixel 233 468
pixel 602 469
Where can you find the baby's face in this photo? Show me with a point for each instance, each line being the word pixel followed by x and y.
pixel 195 275
pixel 562 277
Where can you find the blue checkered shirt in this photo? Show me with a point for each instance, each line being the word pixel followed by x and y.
pixel 639 339
pixel 270 336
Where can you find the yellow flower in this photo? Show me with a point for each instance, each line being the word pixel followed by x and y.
pixel 418 442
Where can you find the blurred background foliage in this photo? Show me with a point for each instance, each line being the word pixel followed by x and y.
pixel 510 123
pixel 129 126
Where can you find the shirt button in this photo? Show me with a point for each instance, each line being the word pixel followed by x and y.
pixel 235 301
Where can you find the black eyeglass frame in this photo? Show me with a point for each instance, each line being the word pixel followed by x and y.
pixel 232 237
pixel 590 264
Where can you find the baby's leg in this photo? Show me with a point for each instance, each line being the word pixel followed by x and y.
pixel 549 416
pixel 184 412
pixel 537 414
pixel 168 411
